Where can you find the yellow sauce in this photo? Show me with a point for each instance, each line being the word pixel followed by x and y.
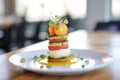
pixel 46 62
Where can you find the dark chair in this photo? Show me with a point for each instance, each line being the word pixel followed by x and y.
pixel 108 26
pixel 30 32
pixel 26 33
pixel 18 32
pixel 43 30
pixel 71 26
pixel 5 39
pixel 74 24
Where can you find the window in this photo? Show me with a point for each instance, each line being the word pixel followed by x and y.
pixel 1 7
pixel 42 8
pixel 77 8
pixel 115 8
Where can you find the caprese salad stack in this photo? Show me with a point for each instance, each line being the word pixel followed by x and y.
pixel 58 39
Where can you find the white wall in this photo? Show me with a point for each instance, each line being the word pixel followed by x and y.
pixel 97 10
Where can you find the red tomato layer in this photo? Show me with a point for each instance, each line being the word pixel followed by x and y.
pixel 65 46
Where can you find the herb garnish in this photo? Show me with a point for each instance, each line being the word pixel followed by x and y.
pixel 81 58
pixel 83 66
pixel 49 66
pixel 57 20
pixel 35 58
pixel 22 60
pixel 71 56
pixel 86 61
pixel 42 56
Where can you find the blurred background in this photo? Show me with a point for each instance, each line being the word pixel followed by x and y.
pixel 24 22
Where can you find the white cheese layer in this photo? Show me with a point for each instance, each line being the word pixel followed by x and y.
pixel 59 53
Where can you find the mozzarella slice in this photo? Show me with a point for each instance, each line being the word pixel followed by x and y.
pixel 59 53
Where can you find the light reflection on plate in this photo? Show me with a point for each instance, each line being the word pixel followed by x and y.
pixel 96 60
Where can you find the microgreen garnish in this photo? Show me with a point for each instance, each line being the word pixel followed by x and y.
pixel 35 58
pixel 81 58
pixel 62 57
pixel 86 61
pixel 42 56
pixel 51 23
pixel 41 66
pixel 58 17
pixel 83 66
pixel 57 20
pixel 22 60
pixel 71 56
pixel 49 66
pixel 66 21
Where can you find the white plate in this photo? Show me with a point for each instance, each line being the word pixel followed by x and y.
pixel 96 60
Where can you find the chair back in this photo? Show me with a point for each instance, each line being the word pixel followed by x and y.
pixel 108 26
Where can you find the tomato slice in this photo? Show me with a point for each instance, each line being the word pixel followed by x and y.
pixel 51 30
pixel 54 47
pixel 64 46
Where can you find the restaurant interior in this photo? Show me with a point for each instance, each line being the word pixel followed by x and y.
pixel 93 25
pixel 25 22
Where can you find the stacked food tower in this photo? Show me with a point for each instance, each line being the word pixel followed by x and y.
pixel 58 39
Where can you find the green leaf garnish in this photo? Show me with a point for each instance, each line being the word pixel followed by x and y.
pixel 81 58
pixel 58 17
pixel 35 58
pixel 86 61
pixel 71 56
pixel 62 57
pixel 65 21
pixel 49 66
pixel 57 23
pixel 83 66
pixel 56 20
pixel 51 23
pixel 42 56
pixel 22 60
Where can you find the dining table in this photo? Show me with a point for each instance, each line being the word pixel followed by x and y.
pixel 103 41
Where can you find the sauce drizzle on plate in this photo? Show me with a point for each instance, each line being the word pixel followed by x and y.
pixel 46 62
